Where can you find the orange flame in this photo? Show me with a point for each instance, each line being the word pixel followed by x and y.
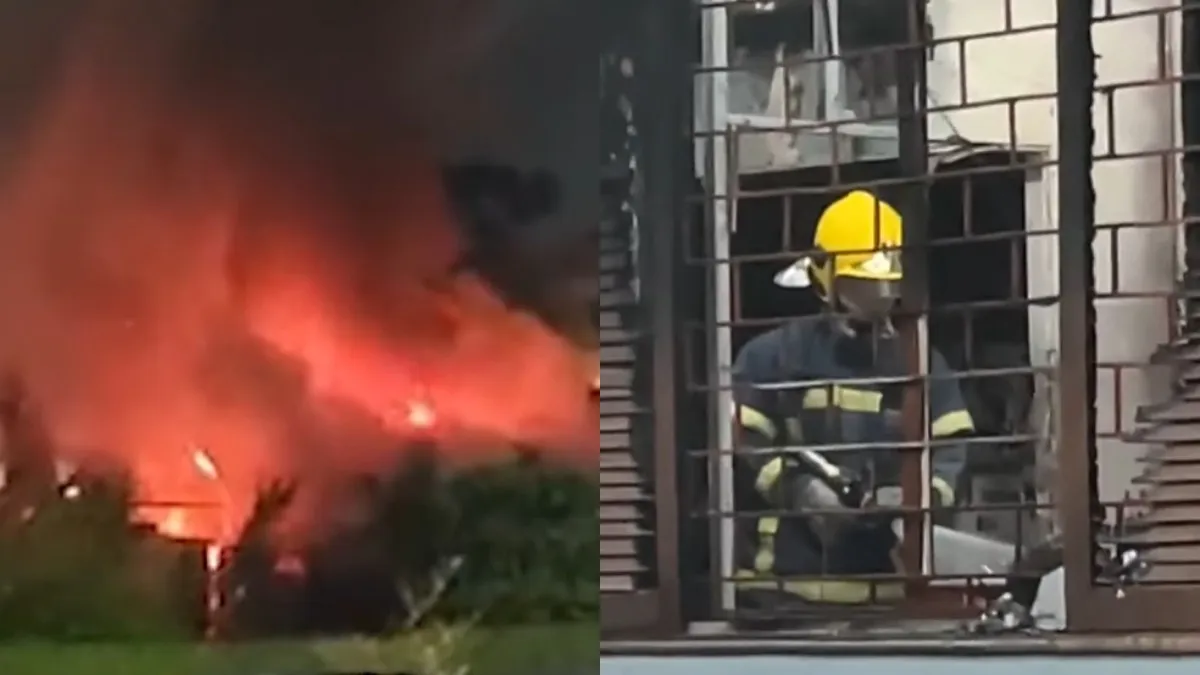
pixel 199 285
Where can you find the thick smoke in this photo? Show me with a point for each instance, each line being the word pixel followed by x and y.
pixel 226 253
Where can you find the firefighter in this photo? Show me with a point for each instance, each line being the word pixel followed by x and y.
pixel 855 269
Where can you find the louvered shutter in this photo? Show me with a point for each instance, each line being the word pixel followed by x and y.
pixel 623 495
pixel 626 538
pixel 1168 530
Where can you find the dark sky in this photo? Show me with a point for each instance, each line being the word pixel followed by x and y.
pixel 509 80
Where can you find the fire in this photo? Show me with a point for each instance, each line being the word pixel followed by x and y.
pixel 420 415
pixel 211 284
pixel 175 523
pixel 205 464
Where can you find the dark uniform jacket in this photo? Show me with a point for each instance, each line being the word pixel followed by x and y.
pixel 829 403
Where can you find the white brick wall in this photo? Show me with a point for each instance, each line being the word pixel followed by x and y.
pixel 1021 65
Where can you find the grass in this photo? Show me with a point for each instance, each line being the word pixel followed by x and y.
pixel 553 650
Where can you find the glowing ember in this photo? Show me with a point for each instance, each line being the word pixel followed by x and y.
pixel 212 557
pixel 205 464
pixel 420 415
pixel 290 565
pixel 174 523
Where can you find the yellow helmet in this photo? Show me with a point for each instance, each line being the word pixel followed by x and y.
pixel 856 255
pixel 859 236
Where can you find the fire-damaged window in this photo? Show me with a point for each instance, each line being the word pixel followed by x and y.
pixel 781 58
pixel 763 36
pixel 865 30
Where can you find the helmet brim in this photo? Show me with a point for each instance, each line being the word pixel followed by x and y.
pixel 795 275
pixel 872 276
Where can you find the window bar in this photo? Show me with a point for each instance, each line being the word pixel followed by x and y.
pixel 715 172
pixel 827 44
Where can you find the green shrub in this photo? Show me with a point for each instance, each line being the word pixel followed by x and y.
pixel 529 536
pixel 526 533
pixel 76 569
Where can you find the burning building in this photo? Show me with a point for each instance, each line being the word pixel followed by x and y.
pixel 233 252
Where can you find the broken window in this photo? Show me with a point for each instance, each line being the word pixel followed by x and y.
pixel 869 33
pixel 763 36
pixel 816 60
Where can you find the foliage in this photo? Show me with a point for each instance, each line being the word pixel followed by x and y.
pixel 527 650
pixel 528 533
pixel 520 539
pixel 76 569
pixel 523 536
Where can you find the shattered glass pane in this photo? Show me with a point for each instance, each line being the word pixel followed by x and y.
pixel 761 39
pixel 870 85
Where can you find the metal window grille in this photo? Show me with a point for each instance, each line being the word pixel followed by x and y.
pixel 1040 155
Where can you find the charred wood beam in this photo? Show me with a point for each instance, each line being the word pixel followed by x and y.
pixel 1079 508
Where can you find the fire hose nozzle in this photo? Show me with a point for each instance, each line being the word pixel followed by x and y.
pixel 846 484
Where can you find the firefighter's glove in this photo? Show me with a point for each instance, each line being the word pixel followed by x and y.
pixel 847 484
